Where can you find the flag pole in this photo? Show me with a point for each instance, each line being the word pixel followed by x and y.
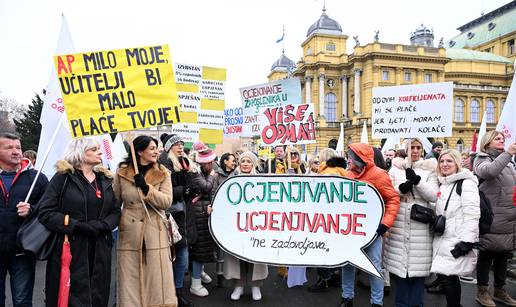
pixel 52 140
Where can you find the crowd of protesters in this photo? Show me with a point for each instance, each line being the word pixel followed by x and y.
pixel 84 202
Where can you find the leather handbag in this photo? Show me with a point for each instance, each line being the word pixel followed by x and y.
pixel 440 221
pixel 422 214
pixel 34 237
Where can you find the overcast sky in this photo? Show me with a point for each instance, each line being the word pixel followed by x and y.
pixel 239 35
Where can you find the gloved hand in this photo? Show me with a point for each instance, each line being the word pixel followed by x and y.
pixel 139 181
pixel 86 229
pixel 405 187
pixel 100 226
pixel 190 192
pixel 461 249
pixel 411 176
pixel 382 229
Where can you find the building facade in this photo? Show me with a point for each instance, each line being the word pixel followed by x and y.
pixel 340 85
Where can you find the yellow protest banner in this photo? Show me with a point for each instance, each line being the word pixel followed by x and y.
pixel 118 90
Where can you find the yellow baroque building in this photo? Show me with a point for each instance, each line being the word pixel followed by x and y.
pixel 479 61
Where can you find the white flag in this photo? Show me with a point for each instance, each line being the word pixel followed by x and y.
pixel 363 138
pixel 113 152
pixel 483 129
pixel 507 122
pixel 53 109
pixel 340 142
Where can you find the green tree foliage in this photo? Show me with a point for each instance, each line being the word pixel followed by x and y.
pixel 28 126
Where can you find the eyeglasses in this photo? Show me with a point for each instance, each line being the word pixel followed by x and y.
pixel 294 154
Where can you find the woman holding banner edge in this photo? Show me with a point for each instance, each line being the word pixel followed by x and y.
pixel 242 272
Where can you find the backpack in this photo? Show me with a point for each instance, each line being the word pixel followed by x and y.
pixel 486 211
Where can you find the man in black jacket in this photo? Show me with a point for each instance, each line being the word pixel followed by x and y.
pixel 16 177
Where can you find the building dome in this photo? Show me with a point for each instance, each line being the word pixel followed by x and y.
pixel 283 64
pixel 422 37
pixel 325 25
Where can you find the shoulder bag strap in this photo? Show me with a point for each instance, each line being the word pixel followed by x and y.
pixel 452 189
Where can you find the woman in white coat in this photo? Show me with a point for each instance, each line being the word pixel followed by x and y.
pixel 453 254
pixel 408 246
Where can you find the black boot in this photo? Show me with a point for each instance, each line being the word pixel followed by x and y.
pixel 181 300
pixel 320 286
pixel 346 302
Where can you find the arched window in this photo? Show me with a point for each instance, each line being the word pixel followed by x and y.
pixel 330 107
pixel 459 110
pixel 460 146
pixel 490 111
pixel 475 111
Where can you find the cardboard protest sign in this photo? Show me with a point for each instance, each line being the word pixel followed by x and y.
pixel 422 110
pixel 201 94
pixel 273 94
pixel 289 124
pixel 233 120
pixel 118 90
pixel 322 221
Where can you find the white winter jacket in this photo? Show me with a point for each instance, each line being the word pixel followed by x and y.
pixel 462 218
pixel 408 247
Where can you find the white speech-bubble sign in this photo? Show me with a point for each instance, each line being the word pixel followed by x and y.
pixel 292 220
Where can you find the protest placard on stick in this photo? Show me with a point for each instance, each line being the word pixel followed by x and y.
pixel 258 97
pixel 287 125
pixel 118 90
pixel 422 110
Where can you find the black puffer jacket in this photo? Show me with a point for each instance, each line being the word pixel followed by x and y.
pixel 10 221
pixel 203 249
pixel 182 173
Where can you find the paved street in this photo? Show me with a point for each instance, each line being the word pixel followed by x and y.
pixel 276 293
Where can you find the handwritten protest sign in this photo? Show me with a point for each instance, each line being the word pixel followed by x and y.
pixel 422 110
pixel 257 97
pixel 289 124
pixel 118 90
pixel 323 221
pixel 201 97
pixel 233 120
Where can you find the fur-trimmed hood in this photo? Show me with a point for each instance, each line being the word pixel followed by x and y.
pixel 63 166
pixel 158 173
pixel 428 164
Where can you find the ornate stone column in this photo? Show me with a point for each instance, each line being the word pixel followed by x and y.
pixel 356 103
pixel 308 89
pixel 321 95
pixel 344 88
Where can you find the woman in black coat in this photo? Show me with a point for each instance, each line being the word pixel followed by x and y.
pixel 183 191
pixel 203 249
pixel 84 192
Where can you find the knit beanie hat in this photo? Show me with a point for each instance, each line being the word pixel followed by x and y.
pixel 169 140
pixel 204 153
pixel 251 156
pixel 437 144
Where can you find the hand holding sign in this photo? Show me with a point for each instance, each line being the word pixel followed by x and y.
pixel 323 221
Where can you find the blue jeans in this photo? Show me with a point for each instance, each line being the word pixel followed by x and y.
pixel 374 251
pixel 21 269
pixel 197 269
pixel 180 265
pixel 409 291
